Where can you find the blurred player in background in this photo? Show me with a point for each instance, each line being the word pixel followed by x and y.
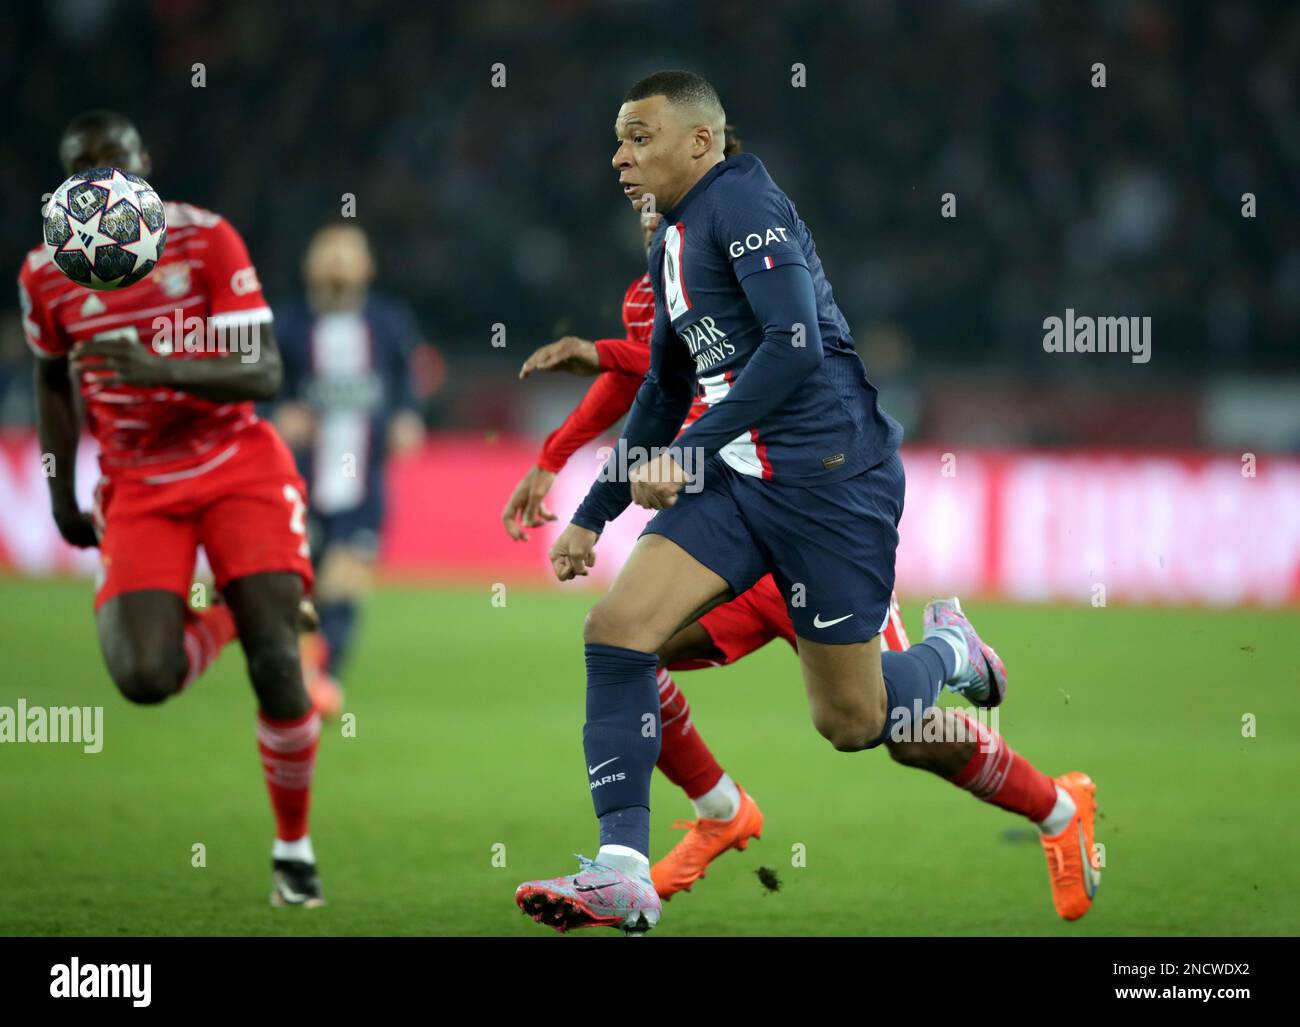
pixel 346 405
pixel 727 816
pixel 185 462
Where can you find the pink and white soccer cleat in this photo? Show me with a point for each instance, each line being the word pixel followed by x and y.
pixel 984 681
pixel 596 896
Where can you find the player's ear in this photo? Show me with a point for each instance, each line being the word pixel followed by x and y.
pixel 703 141
pixel 146 163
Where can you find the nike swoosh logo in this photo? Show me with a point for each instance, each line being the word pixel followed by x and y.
pixel 1091 879
pixel 592 770
pixel 594 887
pixel 819 623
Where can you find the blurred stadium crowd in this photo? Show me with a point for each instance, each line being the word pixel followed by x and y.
pixel 498 205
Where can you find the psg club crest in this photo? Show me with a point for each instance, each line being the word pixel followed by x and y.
pixel 105 228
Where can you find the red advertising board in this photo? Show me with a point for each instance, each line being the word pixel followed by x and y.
pixel 1029 526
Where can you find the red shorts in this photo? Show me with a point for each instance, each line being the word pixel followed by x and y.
pixel 246 506
pixel 754 618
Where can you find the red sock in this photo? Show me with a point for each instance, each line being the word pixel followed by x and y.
pixel 206 633
pixel 683 756
pixel 1000 775
pixel 288 750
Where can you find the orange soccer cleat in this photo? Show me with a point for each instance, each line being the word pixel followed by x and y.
pixel 325 693
pixel 326 696
pixel 1072 859
pixel 705 841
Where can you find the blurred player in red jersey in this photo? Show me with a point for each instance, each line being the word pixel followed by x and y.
pixel 185 462
pixel 983 764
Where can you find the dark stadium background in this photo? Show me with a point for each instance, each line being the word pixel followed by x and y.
pixel 498 206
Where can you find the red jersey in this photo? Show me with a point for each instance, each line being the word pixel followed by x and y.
pixel 623 364
pixel 205 273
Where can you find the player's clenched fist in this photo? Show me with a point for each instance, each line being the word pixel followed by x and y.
pixel 574 551
pixel 656 482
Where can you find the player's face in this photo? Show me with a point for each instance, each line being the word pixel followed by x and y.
pixel 655 152
pixel 338 268
pixel 108 148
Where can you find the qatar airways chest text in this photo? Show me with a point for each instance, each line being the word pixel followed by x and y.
pixel 707 307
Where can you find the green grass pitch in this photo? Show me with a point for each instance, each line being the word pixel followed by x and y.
pixel 467 753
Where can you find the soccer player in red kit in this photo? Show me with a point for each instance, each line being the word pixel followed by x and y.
pixel 983 764
pixel 185 462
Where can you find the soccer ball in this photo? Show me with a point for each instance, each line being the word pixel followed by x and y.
pixel 105 228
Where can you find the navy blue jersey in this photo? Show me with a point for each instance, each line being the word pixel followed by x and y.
pixel 351 368
pixel 744 314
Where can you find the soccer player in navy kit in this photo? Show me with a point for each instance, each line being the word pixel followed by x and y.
pixel 347 405
pixel 793 470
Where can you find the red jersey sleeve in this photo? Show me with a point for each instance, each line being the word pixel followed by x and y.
pixel 39 329
pixel 631 355
pixel 234 292
pixel 624 363
pixel 624 356
pixel 608 399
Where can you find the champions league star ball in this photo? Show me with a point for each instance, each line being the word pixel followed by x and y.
pixel 105 228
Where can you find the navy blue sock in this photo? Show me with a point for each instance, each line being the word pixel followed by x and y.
pixel 338 620
pixel 914 677
pixel 932 647
pixel 621 740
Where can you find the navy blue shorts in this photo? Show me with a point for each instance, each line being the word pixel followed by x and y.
pixel 357 528
pixel 830 547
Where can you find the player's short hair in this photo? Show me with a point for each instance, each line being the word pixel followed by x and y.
pixel 102 124
pixel 682 89
pixel 99 121
pixel 338 225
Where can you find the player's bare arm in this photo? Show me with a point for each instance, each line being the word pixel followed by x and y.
pixel 59 431
pixel 230 377
pixel 570 354
pixel 405 432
